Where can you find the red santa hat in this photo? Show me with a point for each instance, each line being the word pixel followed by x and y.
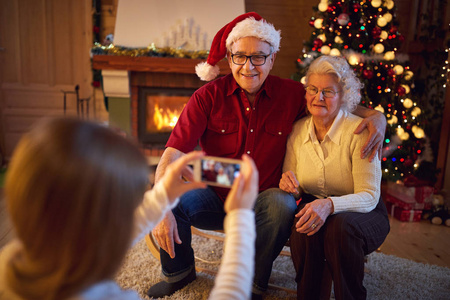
pixel 249 24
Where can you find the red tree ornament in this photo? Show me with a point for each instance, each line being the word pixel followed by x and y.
pixel 311 22
pixel 391 73
pixel 368 74
pixel 376 31
pixel 408 162
pixel 401 90
pixel 393 29
pixel 318 43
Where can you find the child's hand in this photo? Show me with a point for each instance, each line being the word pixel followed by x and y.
pixel 173 180
pixel 244 191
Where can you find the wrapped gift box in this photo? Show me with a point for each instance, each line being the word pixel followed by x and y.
pixel 404 202
pixel 404 215
pixel 410 197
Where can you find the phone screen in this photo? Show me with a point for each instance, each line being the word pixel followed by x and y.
pixel 219 172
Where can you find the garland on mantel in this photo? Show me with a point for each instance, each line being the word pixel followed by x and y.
pixel 151 50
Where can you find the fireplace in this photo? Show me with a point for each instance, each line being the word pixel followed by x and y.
pixel 158 112
pixel 158 88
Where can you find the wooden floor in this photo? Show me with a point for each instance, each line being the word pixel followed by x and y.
pixel 417 241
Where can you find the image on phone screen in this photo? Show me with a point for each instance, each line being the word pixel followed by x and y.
pixel 219 173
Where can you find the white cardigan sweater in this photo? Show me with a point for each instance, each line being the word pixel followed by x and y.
pixel 333 168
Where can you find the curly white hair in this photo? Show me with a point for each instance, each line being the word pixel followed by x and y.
pixel 338 66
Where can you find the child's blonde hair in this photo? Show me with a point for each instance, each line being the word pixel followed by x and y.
pixel 71 191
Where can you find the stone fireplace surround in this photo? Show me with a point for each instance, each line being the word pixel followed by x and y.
pixel 124 76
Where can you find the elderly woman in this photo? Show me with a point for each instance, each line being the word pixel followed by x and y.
pixel 341 217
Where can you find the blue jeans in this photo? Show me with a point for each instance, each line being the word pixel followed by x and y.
pixel 274 216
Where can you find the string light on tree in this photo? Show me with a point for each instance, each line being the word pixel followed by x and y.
pixel 446 67
pixel 318 23
pixel 398 69
pixel 335 52
pixel 376 3
pixel 325 50
pixel 382 22
pixel 378 48
pixel 323 6
pixel 389 55
pixel 389 4
pixel 384 35
pixel 407 103
pixel 338 40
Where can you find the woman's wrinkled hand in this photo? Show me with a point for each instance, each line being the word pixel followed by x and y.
pixel 313 215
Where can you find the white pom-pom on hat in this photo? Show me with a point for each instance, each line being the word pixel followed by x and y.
pixel 206 72
pixel 248 24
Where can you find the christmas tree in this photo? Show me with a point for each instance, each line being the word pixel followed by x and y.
pixel 366 33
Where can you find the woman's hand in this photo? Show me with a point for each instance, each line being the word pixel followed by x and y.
pixel 290 184
pixel 244 191
pixel 313 215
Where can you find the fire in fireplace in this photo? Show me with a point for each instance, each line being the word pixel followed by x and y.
pixel 158 112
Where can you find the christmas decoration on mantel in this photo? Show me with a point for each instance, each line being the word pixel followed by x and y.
pixel 151 50
pixel 181 41
pixel 366 33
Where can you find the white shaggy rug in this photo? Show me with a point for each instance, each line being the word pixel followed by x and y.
pixel 386 277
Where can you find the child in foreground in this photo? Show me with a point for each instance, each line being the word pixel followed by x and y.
pixel 75 195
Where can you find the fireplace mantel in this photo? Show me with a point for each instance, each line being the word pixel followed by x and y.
pixel 117 71
pixel 151 64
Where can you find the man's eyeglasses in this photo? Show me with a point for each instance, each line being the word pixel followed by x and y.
pixel 327 93
pixel 256 60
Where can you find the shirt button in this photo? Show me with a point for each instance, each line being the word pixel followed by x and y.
pixel 248 152
pixel 280 133
pixel 251 130
pixel 254 108
pixel 223 130
pixel 248 108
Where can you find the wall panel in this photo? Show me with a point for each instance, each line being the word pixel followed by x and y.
pixel 10 55
pixel 47 45
pixel 33 41
pixel 62 41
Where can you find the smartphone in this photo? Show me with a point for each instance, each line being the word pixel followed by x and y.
pixel 217 171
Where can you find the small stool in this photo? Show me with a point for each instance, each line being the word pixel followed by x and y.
pixel 80 102
pixel 77 88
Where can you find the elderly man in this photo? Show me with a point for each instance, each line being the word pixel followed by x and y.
pixel 248 111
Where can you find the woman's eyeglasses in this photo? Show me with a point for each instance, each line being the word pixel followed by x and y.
pixel 327 93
